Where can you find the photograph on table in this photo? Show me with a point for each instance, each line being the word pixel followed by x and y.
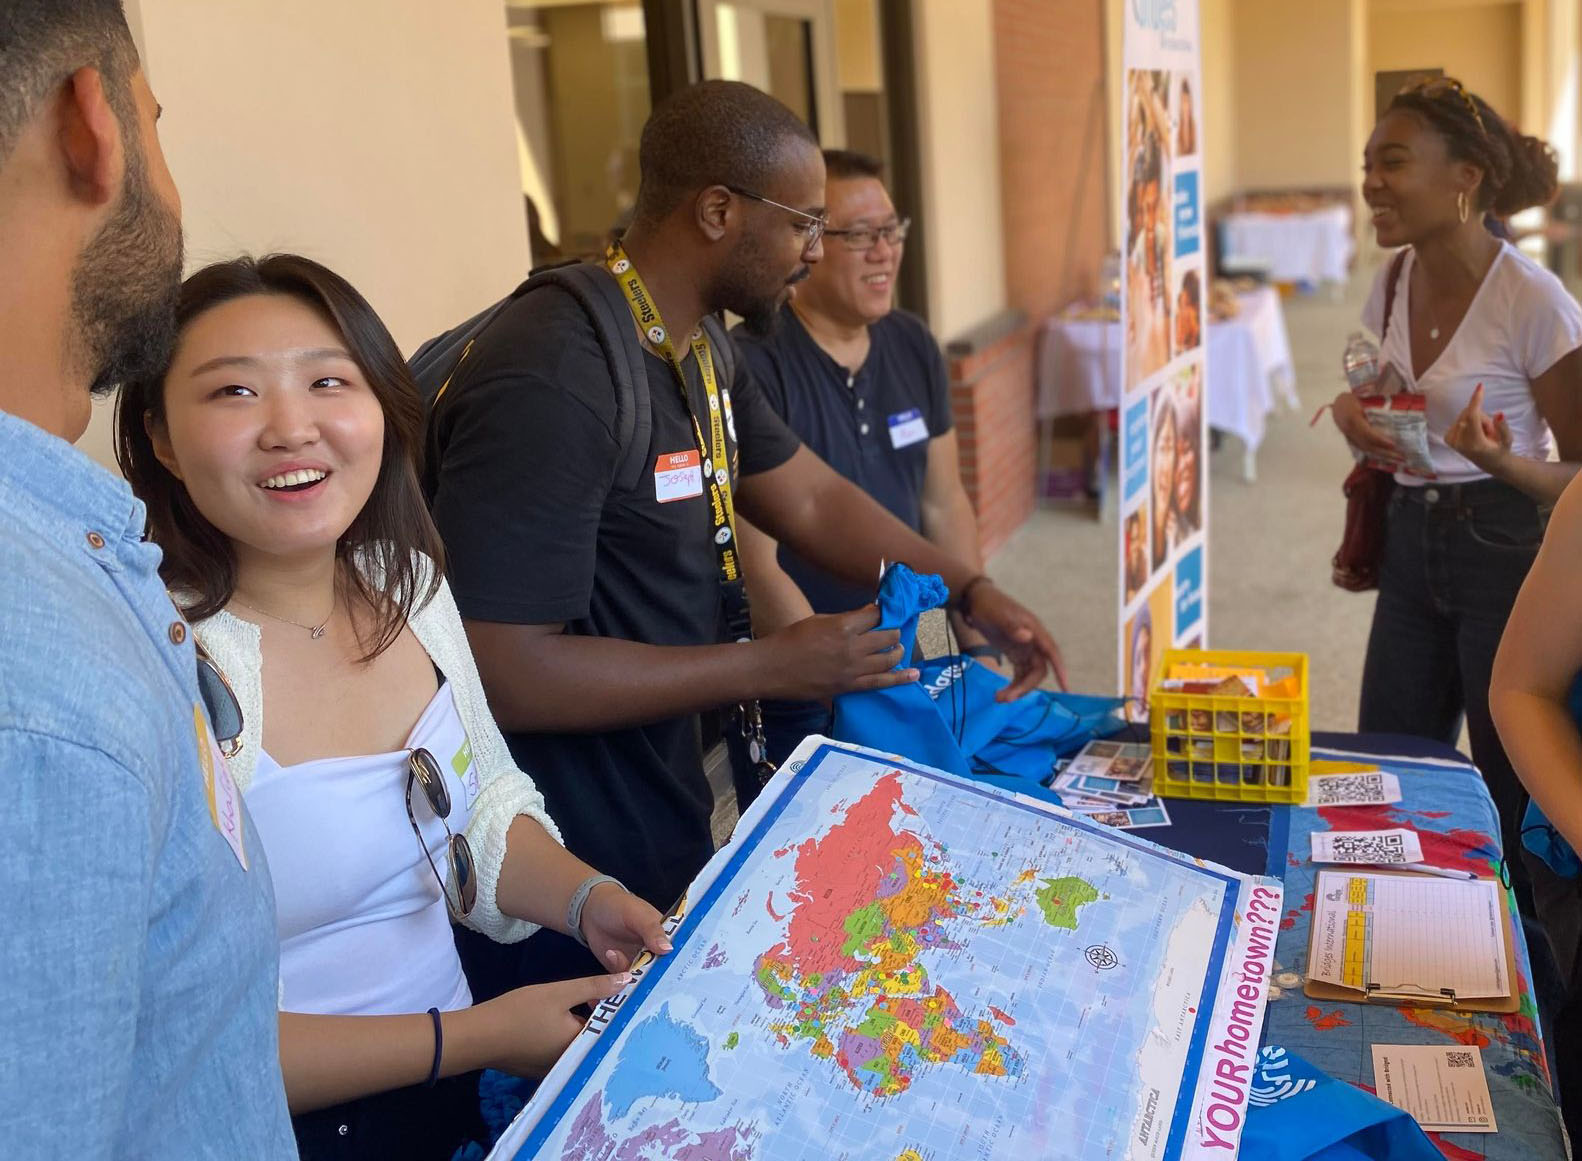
pixel 1137 569
pixel 1188 329
pixel 1148 249
pixel 1147 634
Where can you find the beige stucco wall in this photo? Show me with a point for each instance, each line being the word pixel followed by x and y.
pixel 374 135
pixel 1296 92
pixel 1218 98
pixel 958 124
pixel 1480 45
pixel 858 60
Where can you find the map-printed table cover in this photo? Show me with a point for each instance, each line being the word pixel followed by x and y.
pixel 1448 806
pixel 890 962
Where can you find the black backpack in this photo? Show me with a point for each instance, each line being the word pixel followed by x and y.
pixel 440 365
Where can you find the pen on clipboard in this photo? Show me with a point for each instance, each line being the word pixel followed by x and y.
pixel 1442 872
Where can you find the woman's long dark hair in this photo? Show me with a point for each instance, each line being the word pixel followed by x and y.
pixel 377 553
pixel 1519 171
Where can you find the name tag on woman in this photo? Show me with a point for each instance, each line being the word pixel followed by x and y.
pixel 907 428
pixel 225 799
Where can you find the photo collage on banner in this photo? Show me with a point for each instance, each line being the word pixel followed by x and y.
pixel 1164 434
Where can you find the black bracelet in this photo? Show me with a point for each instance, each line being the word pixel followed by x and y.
pixel 983 651
pixel 963 600
pixel 439 1048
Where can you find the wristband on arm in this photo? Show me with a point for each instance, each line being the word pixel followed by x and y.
pixel 579 900
pixel 439 1048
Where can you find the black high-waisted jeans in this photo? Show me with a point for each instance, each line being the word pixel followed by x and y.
pixel 1454 558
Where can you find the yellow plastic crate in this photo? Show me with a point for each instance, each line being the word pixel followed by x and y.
pixel 1235 749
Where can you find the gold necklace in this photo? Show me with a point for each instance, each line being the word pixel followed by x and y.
pixel 314 631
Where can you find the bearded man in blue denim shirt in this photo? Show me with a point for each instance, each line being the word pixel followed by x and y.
pixel 138 958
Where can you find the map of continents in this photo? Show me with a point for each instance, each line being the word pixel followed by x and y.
pixel 895 966
pixel 869 898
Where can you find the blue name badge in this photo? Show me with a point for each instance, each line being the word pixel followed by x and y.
pixel 907 428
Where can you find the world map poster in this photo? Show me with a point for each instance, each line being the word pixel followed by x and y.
pixel 892 962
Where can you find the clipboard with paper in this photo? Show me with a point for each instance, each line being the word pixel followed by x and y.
pixel 1405 939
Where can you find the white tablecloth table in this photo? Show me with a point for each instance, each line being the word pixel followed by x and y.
pixel 1249 359
pixel 1313 246
pixel 1262 314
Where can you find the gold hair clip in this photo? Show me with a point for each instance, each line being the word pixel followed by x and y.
pixel 1433 86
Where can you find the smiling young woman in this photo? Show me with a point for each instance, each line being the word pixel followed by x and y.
pixel 277 456
pixel 1474 323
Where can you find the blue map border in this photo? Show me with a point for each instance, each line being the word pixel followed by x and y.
pixel 550 1121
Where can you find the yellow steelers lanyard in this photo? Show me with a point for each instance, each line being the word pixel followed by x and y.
pixel 716 457
pixel 716 474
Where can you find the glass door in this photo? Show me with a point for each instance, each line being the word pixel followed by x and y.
pixel 580 73
pixel 784 47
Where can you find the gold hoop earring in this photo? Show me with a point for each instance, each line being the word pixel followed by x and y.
pixel 1462 205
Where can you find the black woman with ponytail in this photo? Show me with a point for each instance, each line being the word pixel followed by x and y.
pixel 1494 342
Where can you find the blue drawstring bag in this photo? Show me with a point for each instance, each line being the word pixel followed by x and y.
pixel 1024 737
pixel 1538 833
pixel 950 719
pixel 1297 1113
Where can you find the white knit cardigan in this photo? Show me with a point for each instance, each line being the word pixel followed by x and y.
pixel 506 792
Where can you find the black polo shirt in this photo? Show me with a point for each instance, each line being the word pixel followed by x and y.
pixel 872 427
pixel 538 531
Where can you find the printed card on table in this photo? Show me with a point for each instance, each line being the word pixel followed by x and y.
pixel 1375 847
pixel 1442 1086
pixel 1374 789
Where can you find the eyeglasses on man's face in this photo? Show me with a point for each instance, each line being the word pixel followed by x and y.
pixel 861 238
pixel 809 227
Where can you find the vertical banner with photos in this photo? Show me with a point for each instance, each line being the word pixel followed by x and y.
pixel 1163 436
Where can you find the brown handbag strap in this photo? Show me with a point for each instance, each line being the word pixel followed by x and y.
pixel 1389 291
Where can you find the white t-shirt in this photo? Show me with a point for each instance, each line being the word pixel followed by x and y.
pixel 363 927
pixel 1521 323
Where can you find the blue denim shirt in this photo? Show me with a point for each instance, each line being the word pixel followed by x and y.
pixel 138 959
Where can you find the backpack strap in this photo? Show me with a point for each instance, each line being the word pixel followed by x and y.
pixel 1390 285
pixel 596 290
pixel 440 365
pixel 433 363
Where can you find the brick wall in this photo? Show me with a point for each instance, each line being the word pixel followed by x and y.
pixel 991 397
pixel 1049 76
pixel 1049 65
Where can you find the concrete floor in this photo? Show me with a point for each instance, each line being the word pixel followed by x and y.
pixel 1270 542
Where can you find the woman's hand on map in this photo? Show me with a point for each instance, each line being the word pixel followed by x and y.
pixel 618 926
pixel 530 1027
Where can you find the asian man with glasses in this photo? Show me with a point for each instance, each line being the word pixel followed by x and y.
pixel 863 384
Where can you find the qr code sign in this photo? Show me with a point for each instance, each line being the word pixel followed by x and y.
pixel 1460 1059
pixel 1368 848
pixel 1348 790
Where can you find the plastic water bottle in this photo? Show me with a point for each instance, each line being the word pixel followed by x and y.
pixel 1361 363
pixel 1110 281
